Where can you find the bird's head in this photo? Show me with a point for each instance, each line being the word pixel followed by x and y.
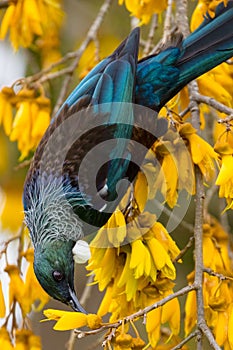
pixel 54 269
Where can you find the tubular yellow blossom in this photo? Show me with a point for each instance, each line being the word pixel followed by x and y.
pixel 230 327
pixel 13 201
pixel 202 153
pixel 176 170
pixel 171 314
pixel 70 320
pixel 25 340
pixel 6 114
pixel 140 260
pixel 190 312
pixel 153 323
pixel 141 191
pixel 33 291
pixel 210 87
pixel 16 289
pixel 34 342
pixel 2 303
pixel 144 9
pixel 5 342
pixel 115 228
pixel 224 179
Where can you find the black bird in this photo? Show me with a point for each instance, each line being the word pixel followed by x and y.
pixel 60 205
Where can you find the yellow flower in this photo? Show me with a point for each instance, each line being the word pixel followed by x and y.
pixel 17 288
pixel 115 229
pixel 175 172
pixel 5 342
pixel 31 120
pixel 230 326
pixel 12 201
pixel 209 86
pixel 168 178
pixel 25 19
pixel 171 314
pixel 70 320
pixel 153 324
pixel 225 148
pixel 202 153
pixel 7 95
pixel 140 261
pixel 2 302
pixel 144 9
pixel 25 340
pixel 33 291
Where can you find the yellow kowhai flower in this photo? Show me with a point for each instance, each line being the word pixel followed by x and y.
pixel 25 339
pixel 12 201
pixel 25 19
pixel 202 153
pixel 144 9
pixel 16 289
pixel 224 146
pixel 5 342
pixel 176 170
pixel 209 86
pixel 31 120
pixel 7 95
pixel 33 291
pixel 70 320
pixel 2 303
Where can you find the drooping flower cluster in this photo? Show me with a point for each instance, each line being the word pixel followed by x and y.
pixel 27 19
pixel 31 118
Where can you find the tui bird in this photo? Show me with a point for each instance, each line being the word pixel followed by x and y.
pixel 59 209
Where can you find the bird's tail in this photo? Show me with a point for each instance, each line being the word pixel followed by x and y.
pixel 208 46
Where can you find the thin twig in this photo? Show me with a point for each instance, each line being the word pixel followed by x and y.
pixel 185 249
pixel 216 274
pixel 24 164
pixel 167 22
pixel 153 27
pixel 213 103
pixel 198 232
pixel 186 340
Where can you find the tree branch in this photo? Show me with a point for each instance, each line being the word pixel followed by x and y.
pixel 141 313
pixel 213 103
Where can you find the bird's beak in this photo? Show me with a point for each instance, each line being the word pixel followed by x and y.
pixel 74 303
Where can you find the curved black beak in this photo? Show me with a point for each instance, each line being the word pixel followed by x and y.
pixel 74 302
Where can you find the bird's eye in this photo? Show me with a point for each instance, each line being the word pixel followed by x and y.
pixel 58 276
